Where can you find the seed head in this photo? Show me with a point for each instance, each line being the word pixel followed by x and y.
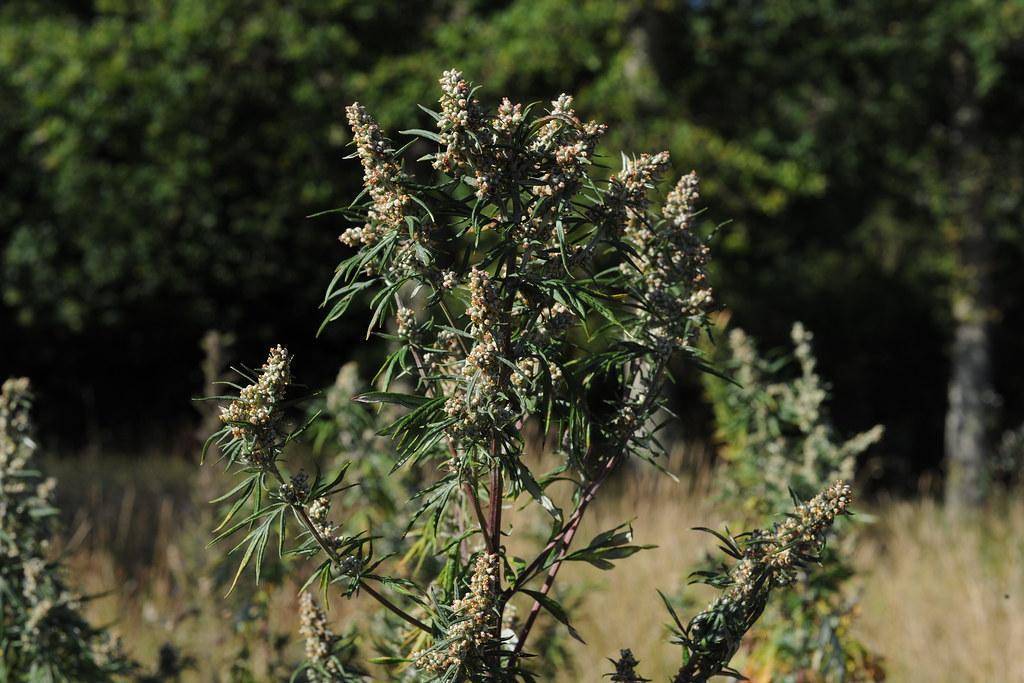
pixel 15 424
pixel 320 641
pixel 625 668
pixel 255 415
pixel 382 177
pixel 474 620
pixel 460 120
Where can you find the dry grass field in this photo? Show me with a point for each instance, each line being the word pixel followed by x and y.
pixel 943 598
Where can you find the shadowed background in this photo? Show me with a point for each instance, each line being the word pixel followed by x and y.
pixel 160 159
pixel 865 162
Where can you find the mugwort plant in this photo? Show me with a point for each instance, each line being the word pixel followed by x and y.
pixel 524 289
pixel 44 635
pixel 778 441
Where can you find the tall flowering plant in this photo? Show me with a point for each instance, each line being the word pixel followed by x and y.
pixel 43 633
pixel 777 440
pixel 519 290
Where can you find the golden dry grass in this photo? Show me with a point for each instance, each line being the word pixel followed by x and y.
pixel 943 597
pixel 624 609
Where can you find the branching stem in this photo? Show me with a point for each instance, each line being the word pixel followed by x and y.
pixel 470 486
pixel 564 538
pixel 325 546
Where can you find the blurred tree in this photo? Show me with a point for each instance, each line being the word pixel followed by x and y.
pixel 156 160
pixel 868 157
pixel 980 175
pixel 160 159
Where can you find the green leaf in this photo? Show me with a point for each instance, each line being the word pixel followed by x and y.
pixel 556 610
pixel 407 400
pixel 529 484
pixel 419 132
pixel 672 611
pixel 250 549
pixel 613 544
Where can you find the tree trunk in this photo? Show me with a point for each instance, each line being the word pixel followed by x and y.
pixel 970 404
pixel 972 397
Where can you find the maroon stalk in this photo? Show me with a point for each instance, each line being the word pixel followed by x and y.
pixel 494 522
pixel 564 538
pixel 494 532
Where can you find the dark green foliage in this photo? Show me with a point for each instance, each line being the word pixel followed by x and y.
pixel 160 158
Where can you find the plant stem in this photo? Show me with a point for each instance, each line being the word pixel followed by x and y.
pixel 469 487
pixel 564 539
pixel 308 523
pixel 565 536
pixel 496 492
pixel 494 522
pixel 394 609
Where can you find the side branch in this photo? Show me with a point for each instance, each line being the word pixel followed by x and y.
pixel 405 616
pixel 562 541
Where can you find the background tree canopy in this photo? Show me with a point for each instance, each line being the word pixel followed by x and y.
pixel 161 158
